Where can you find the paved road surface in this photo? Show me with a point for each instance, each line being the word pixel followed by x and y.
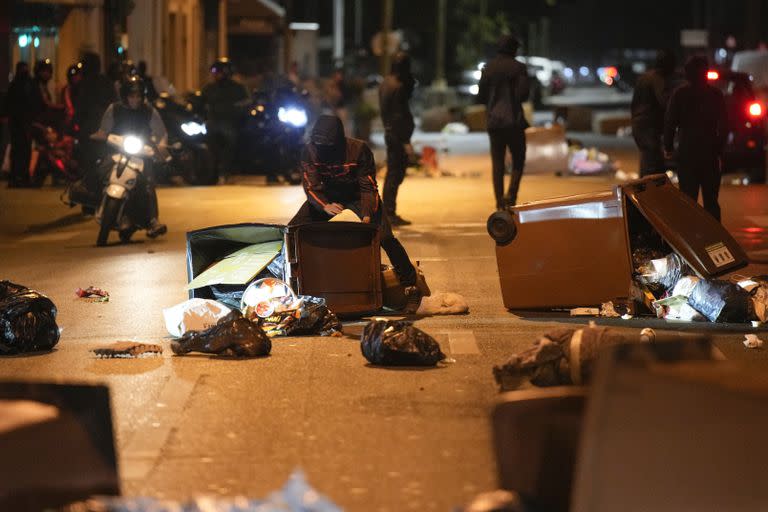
pixel 369 438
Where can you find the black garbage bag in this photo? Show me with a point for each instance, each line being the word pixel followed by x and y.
pixel 310 317
pixel 721 301
pixel 27 320
pixel 228 294
pixel 233 335
pixel 399 343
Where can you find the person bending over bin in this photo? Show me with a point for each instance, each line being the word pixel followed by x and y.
pixel 339 173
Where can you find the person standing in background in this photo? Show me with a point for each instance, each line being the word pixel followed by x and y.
pixel 395 93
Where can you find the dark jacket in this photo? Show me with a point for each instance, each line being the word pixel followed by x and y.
pixel 19 100
pixel 394 94
pixel 698 114
pixel 144 122
pixel 225 100
pixel 340 170
pixel 93 95
pixel 503 88
pixel 649 101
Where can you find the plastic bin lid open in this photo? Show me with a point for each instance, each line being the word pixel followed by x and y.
pixel 689 229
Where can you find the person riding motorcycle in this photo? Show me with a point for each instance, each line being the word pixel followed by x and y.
pixel 225 101
pixel 132 115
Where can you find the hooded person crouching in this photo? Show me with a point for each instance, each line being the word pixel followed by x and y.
pixel 339 174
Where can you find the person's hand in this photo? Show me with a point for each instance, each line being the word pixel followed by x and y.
pixel 333 209
pixel 367 219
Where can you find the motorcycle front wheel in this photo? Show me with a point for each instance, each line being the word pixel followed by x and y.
pixel 108 219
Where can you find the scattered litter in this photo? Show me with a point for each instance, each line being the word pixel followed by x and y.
pixel 562 356
pixel 661 274
pixel 585 312
pixel 455 128
pixel 399 343
pixel 446 303
pixel 27 320
pixel 608 310
pixel 306 316
pixel 193 315
pixel 496 501
pixel 93 294
pixel 752 341
pixel 589 161
pixel 233 335
pixel 265 297
pixel 295 496
pixel 127 350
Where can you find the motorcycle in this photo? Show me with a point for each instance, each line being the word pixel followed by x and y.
pixel 272 133
pixel 191 158
pixel 122 208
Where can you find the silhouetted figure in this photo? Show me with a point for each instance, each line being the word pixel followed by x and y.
pixel 503 88
pixel 697 113
pixel 19 101
pixel 394 94
pixel 649 104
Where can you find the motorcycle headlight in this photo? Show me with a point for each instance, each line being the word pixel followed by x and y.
pixel 292 115
pixel 192 128
pixel 132 144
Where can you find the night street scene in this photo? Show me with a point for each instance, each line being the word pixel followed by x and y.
pixel 445 255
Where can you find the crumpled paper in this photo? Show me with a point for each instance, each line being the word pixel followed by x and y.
pixel 193 315
pixel 752 341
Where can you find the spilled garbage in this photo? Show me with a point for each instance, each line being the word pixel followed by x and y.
pixel 93 294
pixel 127 350
pixel 233 335
pixel 27 320
pixel 399 343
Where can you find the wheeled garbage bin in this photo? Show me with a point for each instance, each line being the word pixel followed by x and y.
pixel 577 250
pixel 338 261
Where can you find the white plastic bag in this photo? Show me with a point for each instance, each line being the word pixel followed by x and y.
pixel 193 315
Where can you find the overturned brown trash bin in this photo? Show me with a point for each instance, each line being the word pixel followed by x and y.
pixel 577 250
pixel 338 261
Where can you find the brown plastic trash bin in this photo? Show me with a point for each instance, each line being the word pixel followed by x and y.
pixel 338 261
pixel 577 250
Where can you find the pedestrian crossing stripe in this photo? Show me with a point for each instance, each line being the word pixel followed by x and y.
pixel 719 254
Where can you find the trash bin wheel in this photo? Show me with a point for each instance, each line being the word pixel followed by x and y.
pixel 501 227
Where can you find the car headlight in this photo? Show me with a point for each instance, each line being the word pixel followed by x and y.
pixel 132 144
pixel 291 115
pixel 192 128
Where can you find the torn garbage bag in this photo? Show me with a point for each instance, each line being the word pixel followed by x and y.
pixel 721 301
pixel 233 335
pixel 193 315
pixel 661 275
pixel 399 343
pixel 562 356
pixel 27 320
pixel 306 317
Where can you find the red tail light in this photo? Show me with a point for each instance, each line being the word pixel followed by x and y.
pixel 755 109
pixel 712 75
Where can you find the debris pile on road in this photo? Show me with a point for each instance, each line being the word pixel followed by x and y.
pixel 233 335
pixel 127 350
pixel 398 343
pixel 673 291
pixel 93 294
pixel 295 496
pixel 27 320
pixel 446 303
pixel 193 315
pixel 561 357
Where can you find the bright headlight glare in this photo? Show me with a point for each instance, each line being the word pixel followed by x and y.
pixel 295 116
pixel 192 128
pixel 132 144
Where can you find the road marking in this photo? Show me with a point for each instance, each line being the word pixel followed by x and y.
pixel 49 237
pixel 462 342
pixel 143 450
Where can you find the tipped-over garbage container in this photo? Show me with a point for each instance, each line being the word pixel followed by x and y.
pixel 338 261
pixel 577 250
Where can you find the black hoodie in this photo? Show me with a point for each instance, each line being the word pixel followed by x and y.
pixel 337 169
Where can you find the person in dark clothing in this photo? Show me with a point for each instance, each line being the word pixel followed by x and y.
pixel 339 173
pixel 74 75
pixel 697 113
pixel 92 96
pixel 45 111
pixel 19 105
pixel 224 101
pixel 134 116
pixel 649 103
pixel 141 70
pixel 394 93
pixel 503 88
